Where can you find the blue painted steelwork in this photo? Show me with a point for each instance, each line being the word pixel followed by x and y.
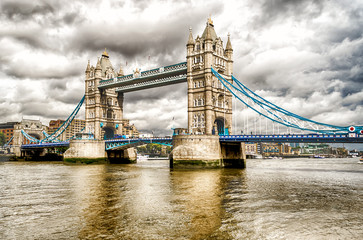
pixel 279 115
pixel 116 143
pixel 65 125
pixel 167 141
pixel 45 145
pixel 295 138
pixel 30 138
pixel 11 139
pixel 53 137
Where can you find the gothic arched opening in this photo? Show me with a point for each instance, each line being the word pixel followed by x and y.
pixel 220 125
pixel 109 133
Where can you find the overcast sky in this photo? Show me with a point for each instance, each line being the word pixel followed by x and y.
pixel 305 56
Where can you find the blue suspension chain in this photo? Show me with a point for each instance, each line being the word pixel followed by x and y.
pixel 242 89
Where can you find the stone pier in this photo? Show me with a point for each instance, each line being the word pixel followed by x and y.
pixel 93 151
pixel 86 151
pixel 205 151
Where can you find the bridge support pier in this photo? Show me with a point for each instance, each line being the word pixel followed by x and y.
pixel 205 151
pixel 128 155
pixel 233 155
pixel 17 150
pixel 86 151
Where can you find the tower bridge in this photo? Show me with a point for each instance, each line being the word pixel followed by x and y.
pixel 207 141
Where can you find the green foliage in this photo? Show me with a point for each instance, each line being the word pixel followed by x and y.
pixel 153 149
pixel 2 139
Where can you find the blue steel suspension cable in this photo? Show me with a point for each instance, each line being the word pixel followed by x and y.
pixel 11 139
pixel 277 108
pixel 261 104
pixel 274 120
pixel 30 138
pixel 54 135
pixel 289 124
pixel 220 79
pixel 60 130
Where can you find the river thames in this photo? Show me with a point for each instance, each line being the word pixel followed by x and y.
pixel 270 199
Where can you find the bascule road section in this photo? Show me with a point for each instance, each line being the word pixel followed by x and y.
pixel 163 76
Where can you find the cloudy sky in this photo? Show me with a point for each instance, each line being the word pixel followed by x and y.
pixel 305 56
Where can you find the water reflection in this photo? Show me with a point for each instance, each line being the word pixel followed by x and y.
pixel 198 197
pixel 277 199
pixel 98 196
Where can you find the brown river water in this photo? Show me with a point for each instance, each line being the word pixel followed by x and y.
pixel 270 199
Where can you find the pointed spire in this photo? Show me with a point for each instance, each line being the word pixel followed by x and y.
pixel 190 39
pixel 210 22
pixel 105 54
pixel 98 66
pixel 121 71
pixel 88 69
pixel 229 45
pixel 208 35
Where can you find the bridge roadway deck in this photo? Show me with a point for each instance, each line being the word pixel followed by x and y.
pixel 294 138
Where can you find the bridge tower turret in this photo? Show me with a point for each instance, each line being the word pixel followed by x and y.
pixel 209 103
pixel 104 107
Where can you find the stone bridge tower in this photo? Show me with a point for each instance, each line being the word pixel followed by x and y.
pixel 34 128
pixel 209 103
pixel 104 108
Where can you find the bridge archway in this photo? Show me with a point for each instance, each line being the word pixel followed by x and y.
pixel 109 133
pixel 219 123
pixel 35 135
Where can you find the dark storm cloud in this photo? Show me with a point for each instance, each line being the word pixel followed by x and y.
pixel 278 10
pixel 28 70
pixel 37 109
pixel 34 38
pixel 165 37
pixel 336 45
pixel 22 10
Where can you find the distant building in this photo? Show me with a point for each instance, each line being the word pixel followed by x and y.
pixel 7 129
pixel 54 125
pixel 269 149
pixel 251 148
pixel 128 129
pixel 317 148
pixel 76 126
